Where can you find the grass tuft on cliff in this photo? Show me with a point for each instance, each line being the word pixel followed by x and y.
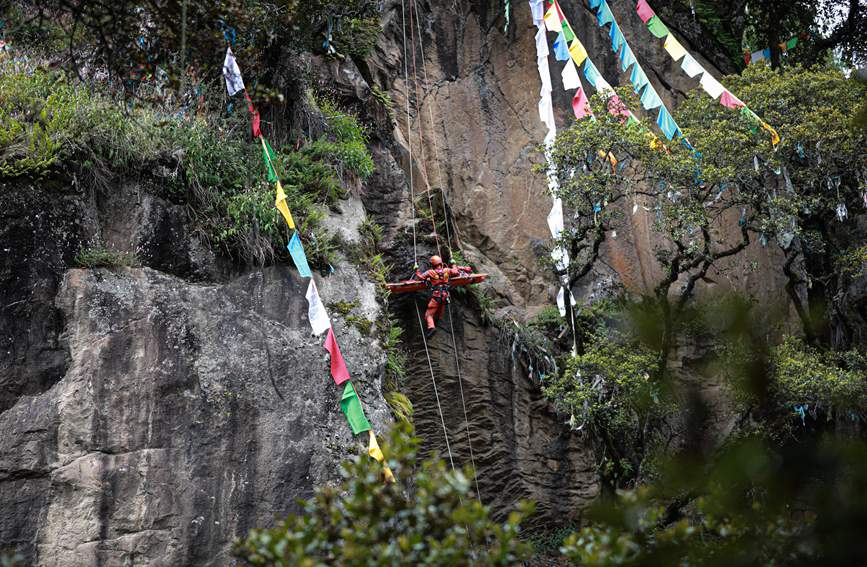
pixel 51 127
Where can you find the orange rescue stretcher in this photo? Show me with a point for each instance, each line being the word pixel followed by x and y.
pixel 407 286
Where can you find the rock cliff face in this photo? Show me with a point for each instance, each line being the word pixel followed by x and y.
pixel 151 419
pixel 151 415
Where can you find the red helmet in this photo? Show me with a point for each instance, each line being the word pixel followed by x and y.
pixel 436 260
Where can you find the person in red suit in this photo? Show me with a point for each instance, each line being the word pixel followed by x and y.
pixel 438 279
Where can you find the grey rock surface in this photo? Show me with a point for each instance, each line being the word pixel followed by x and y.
pixel 149 419
pixel 188 414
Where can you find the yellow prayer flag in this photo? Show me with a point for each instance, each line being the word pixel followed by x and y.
pixel 775 138
pixel 552 20
pixel 280 203
pixel 373 448
pixel 674 48
pixel 577 51
pixel 374 451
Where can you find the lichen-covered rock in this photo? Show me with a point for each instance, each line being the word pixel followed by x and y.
pixel 188 414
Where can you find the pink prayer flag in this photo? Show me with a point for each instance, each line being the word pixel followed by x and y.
pixel 730 101
pixel 580 104
pixel 338 365
pixel 645 12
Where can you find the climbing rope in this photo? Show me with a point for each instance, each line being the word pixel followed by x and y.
pixel 414 240
pixel 409 131
pixel 414 10
pixel 436 392
pixel 413 16
pixel 435 143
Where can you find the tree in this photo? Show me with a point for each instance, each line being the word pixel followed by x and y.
pixel 804 192
pixel 429 517
pixel 796 194
pixel 828 24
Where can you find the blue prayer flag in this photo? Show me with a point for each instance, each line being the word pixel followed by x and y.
pixel 591 72
pixel 604 15
pixel 296 250
pixel 649 99
pixel 638 78
pixel 627 58
pixel 594 4
pixel 561 48
pixel 667 124
pixel 616 37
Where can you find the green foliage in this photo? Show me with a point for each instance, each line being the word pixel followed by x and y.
pixel 401 406
pixel 433 520
pixel 100 257
pixel 548 319
pixel 395 357
pixel 808 376
pixel 356 37
pixel 343 308
pixel 853 261
pixel 609 386
pixel 344 146
pixel 48 124
pixel 182 37
pixel 384 99
pixel 753 505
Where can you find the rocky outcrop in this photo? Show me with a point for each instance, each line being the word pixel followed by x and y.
pixel 151 419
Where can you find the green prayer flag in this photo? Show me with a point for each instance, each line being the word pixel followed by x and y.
pixel 268 156
pixel 792 43
pixel 351 406
pixel 656 27
pixel 567 31
pixel 752 118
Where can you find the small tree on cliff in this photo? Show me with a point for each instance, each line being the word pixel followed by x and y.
pixel 429 517
pixel 708 207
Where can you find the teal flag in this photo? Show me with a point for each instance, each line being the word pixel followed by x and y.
pixel 351 406
pixel 667 124
pixel 604 15
pixel 649 99
pixel 296 250
pixel 591 72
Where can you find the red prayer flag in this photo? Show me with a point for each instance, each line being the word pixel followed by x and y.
pixel 338 365
pixel 730 101
pixel 256 124
pixel 580 104
pixel 645 12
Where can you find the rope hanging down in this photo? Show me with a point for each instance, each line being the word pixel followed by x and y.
pixel 413 17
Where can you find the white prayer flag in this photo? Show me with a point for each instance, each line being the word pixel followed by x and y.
pixel 571 80
pixel 555 218
pixel 690 66
pixel 232 74
pixel 561 301
pixel 711 86
pixel 319 320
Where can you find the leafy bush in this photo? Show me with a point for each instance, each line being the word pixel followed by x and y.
pixel 48 124
pixel 609 386
pixel 807 376
pixel 432 519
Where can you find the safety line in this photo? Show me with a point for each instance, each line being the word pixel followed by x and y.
pixel 419 115
pixel 409 131
pixel 433 380
pixel 463 403
pixel 414 241
pixel 436 144
pixel 414 10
